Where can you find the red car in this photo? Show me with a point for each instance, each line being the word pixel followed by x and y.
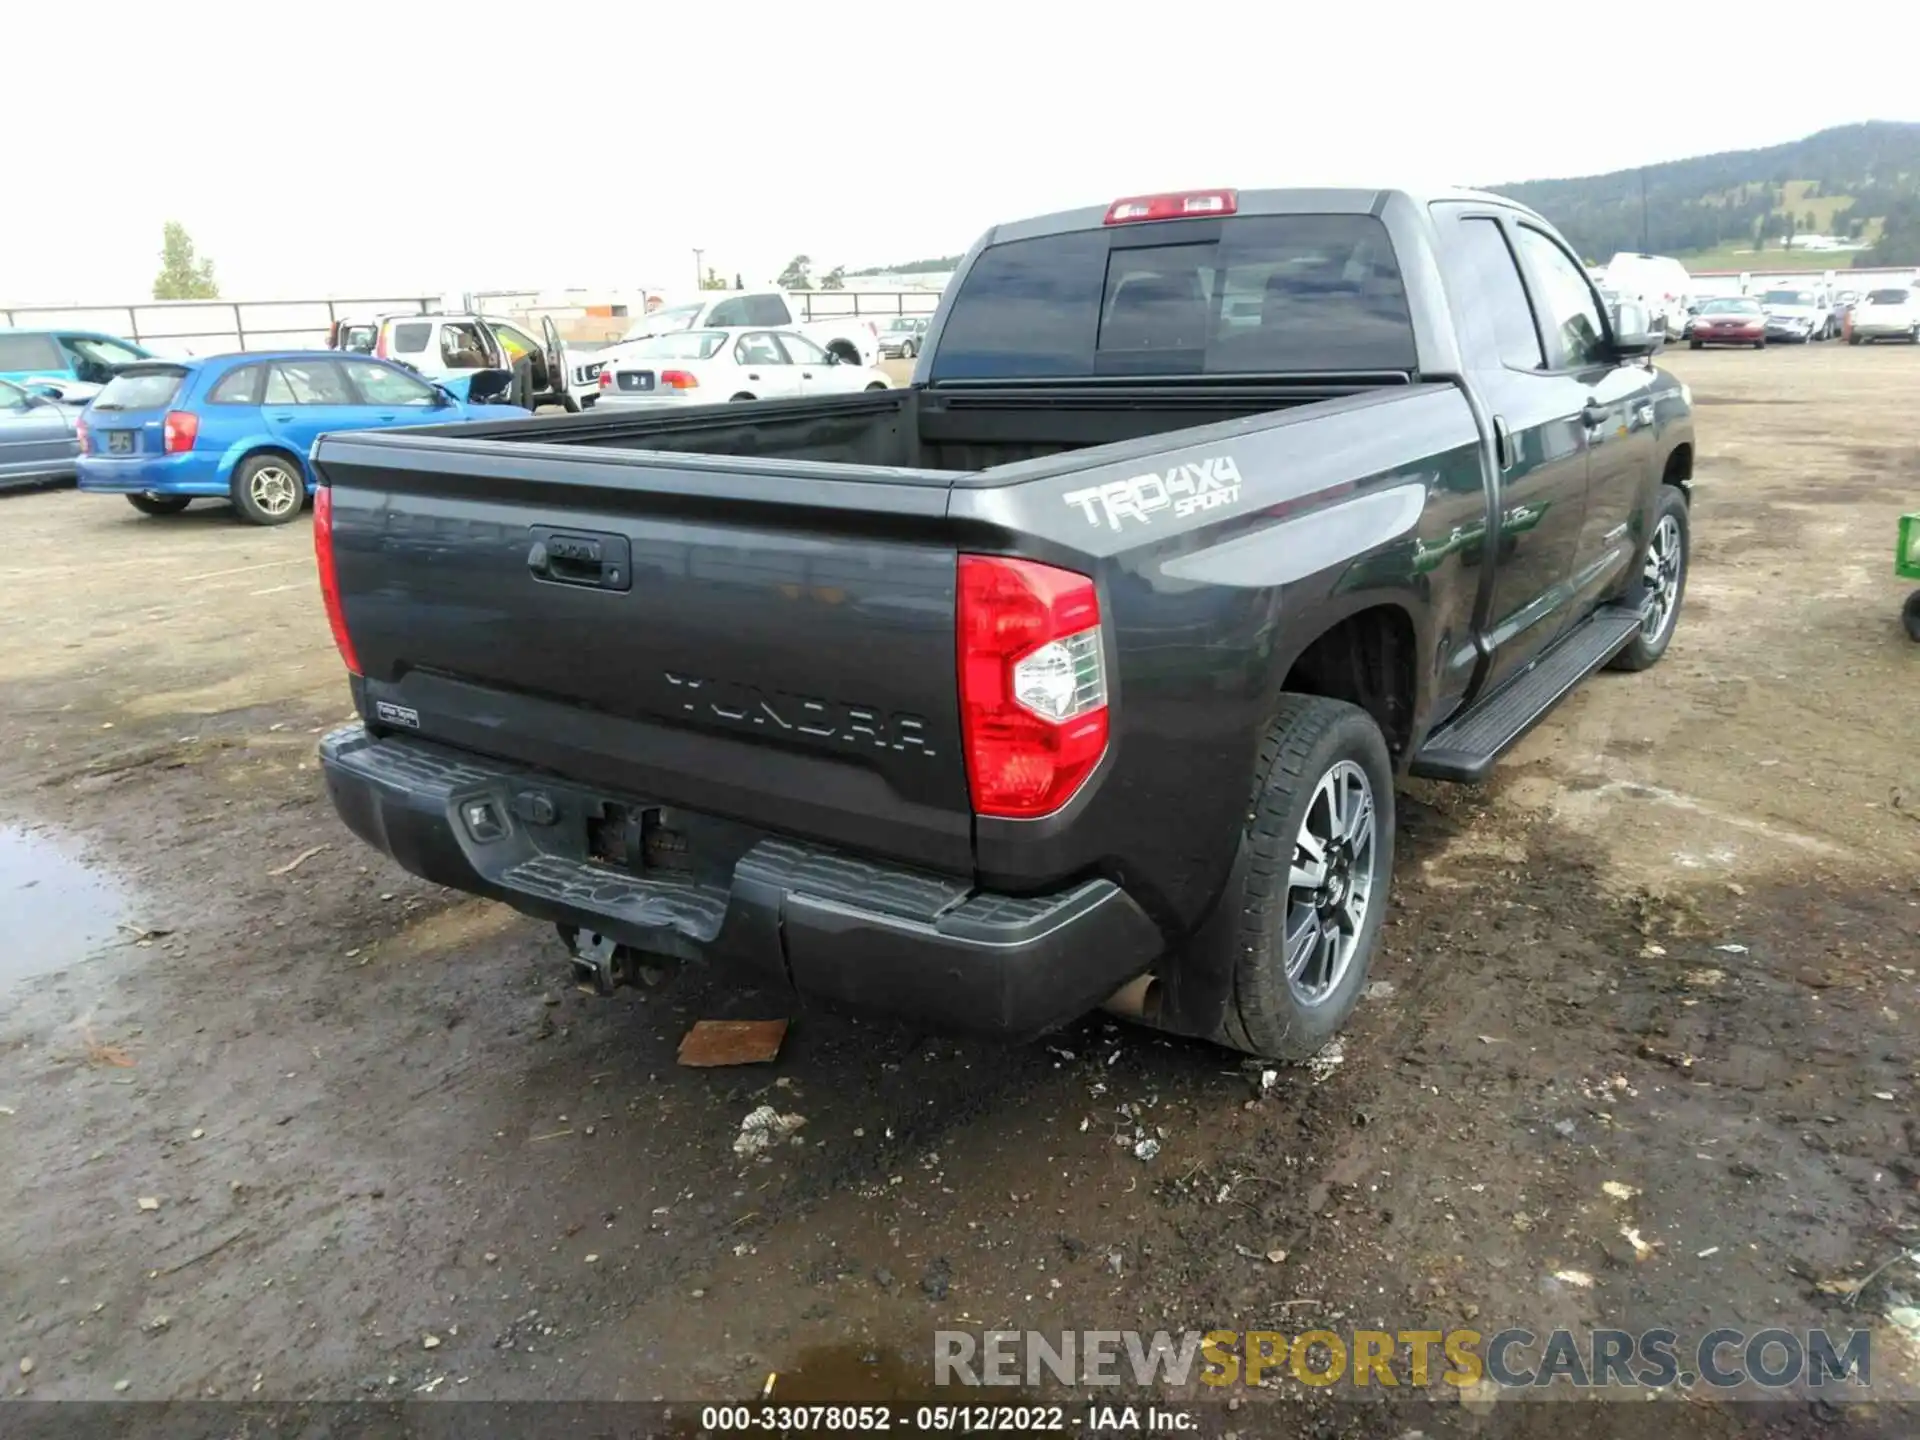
pixel 1729 322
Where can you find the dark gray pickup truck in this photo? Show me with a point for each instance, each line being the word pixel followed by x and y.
pixel 1077 673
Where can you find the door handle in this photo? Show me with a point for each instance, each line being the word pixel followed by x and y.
pixel 806 374
pixel 580 557
pixel 755 375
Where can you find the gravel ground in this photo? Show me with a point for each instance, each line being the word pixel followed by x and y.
pixel 281 1121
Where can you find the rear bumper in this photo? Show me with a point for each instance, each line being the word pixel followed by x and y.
pixel 184 474
pixel 828 924
pixel 1883 332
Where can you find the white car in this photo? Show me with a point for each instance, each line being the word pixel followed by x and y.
pixel 1659 282
pixel 701 367
pixel 854 338
pixel 1799 314
pixel 1892 314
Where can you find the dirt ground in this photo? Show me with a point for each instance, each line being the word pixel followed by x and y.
pixel 280 1121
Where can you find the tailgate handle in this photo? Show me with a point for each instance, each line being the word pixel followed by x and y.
pixel 580 557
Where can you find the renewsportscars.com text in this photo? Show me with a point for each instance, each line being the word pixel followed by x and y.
pixel 1723 1359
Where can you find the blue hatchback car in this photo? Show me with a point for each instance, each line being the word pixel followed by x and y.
pixel 239 427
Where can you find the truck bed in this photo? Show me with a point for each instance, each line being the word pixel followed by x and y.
pixel 915 429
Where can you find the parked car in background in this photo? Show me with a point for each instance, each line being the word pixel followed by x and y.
pixel 1889 314
pixel 1736 320
pixel 65 355
pixel 854 338
pixel 1797 313
pixel 39 437
pixel 164 433
pixel 463 350
pixel 703 366
pixel 902 336
pixel 577 387
pixel 1843 303
pixel 1658 283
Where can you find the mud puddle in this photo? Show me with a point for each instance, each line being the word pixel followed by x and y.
pixel 58 911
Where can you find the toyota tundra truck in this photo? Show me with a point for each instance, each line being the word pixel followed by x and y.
pixel 1080 672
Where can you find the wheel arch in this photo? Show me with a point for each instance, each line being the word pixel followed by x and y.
pixel 1367 656
pixel 244 450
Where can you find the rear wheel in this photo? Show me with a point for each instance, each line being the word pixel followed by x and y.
pixel 1320 856
pixel 1910 616
pixel 1663 583
pixel 268 489
pixel 909 350
pixel 1693 345
pixel 148 503
pixel 876 386
pixel 741 396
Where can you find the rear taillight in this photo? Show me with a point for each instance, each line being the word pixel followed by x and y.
pixel 1180 205
pixel 83 435
pixel 179 430
pixel 380 342
pixel 606 380
pixel 329 580
pixel 1033 684
pixel 678 380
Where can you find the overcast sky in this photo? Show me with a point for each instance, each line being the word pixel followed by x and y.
pixel 345 148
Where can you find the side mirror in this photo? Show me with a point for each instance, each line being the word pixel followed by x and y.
pixel 443 397
pixel 1633 336
pixel 833 357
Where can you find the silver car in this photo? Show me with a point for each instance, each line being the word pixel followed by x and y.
pixel 902 337
pixel 39 441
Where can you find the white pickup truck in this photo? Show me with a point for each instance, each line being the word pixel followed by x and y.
pixel 854 338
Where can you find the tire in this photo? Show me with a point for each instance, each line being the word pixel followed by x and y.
pixel 1663 581
pixel 909 350
pixel 1910 616
pixel 741 396
pixel 268 489
pixel 875 386
pixel 1759 344
pixel 147 503
pixel 1853 339
pixel 1315 748
pixel 1695 345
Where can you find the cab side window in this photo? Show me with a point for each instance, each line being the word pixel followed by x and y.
pixel 1495 316
pixel 1569 307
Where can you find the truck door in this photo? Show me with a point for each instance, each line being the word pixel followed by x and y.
pixel 1620 433
pixel 1537 402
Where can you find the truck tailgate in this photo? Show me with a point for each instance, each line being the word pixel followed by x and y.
pixel 764 640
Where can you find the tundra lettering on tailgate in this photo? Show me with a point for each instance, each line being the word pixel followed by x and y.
pixel 816 719
pixel 1188 489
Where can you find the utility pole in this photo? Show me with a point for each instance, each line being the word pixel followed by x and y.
pixel 699 270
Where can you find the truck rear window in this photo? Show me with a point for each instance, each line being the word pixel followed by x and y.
pixel 147 389
pixel 1256 294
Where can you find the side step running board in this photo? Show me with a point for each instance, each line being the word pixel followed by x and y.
pixel 1466 747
